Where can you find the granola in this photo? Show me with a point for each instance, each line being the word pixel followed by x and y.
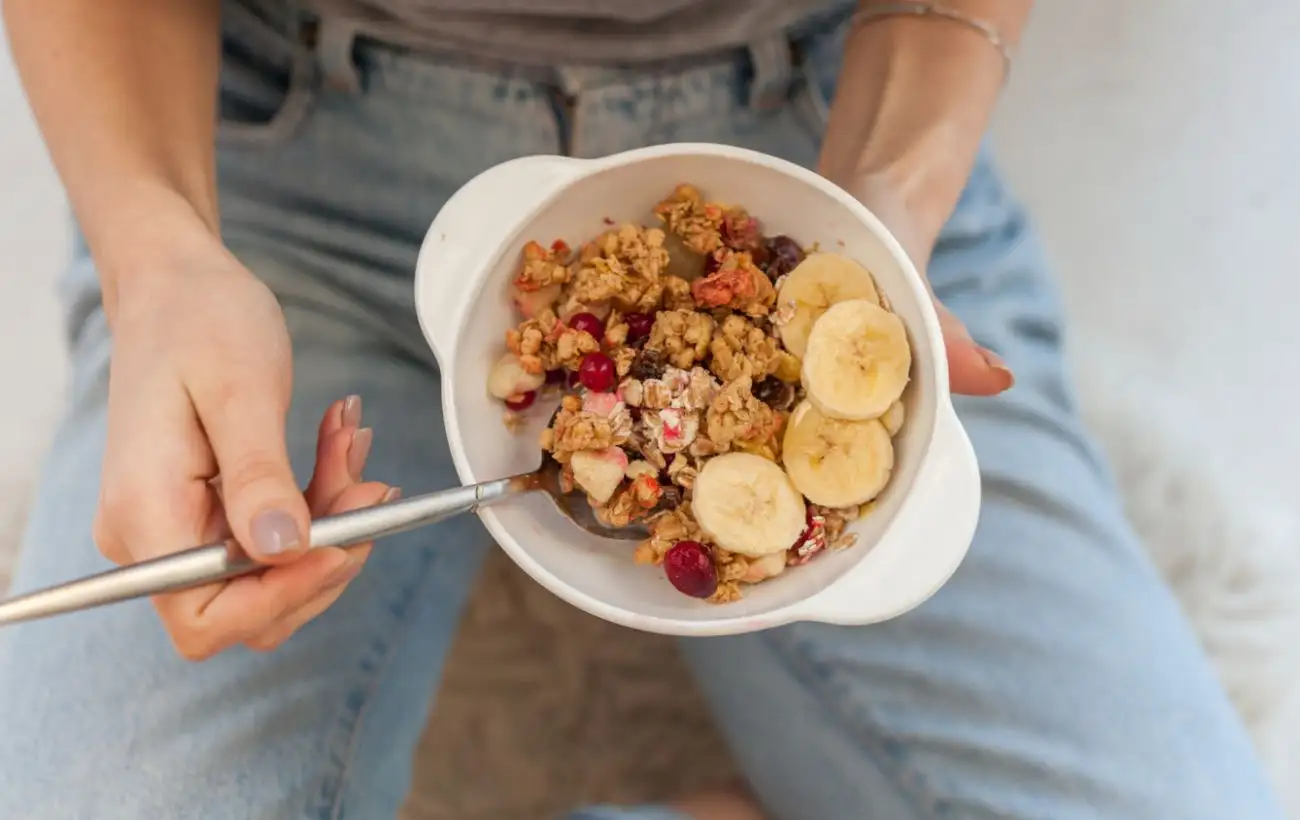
pixel 667 344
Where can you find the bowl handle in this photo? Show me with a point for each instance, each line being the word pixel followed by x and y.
pixel 926 542
pixel 468 231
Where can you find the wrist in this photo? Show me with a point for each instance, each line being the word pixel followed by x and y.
pixel 150 236
pixel 914 99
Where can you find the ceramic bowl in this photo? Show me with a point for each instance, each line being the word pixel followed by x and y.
pixel 922 524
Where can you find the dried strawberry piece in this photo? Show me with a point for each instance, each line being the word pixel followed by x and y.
pixel 811 541
pixel 737 283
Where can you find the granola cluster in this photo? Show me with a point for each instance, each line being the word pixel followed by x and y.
pixel 665 342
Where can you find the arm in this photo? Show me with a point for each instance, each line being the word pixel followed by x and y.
pixel 914 98
pixel 124 93
pixel 201 376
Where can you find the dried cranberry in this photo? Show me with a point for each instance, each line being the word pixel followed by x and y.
pixel 573 380
pixel 557 376
pixel 784 256
pixel 649 364
pixel 639 325
pixel 597 372
pixel 522 402
pixel 690 569
pixel 775 393
pixel 589 323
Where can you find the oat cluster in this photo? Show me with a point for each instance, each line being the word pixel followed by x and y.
pixel 664 340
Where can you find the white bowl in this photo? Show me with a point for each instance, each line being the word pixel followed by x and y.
pixel 907 547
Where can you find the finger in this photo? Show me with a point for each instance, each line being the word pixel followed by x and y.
pixel 972 370
pixel 245 422
pixel 362 495
pixel 341 455
pixel 242 607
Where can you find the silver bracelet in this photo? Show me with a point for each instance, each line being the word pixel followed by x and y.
pixel 880 11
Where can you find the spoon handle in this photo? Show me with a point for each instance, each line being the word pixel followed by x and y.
pixel 225 559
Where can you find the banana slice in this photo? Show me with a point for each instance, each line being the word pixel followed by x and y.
pixel 894 417
pixel 836 463
pixel 819 281
pixel 747 504
pixel 857 360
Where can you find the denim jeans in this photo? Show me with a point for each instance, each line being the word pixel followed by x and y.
pixel 1053 677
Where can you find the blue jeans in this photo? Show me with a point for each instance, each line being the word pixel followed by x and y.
pixel 1053 677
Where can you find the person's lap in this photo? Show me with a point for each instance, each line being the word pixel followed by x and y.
pixel 1052 677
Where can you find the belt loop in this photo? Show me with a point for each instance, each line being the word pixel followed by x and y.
pixel 772 62
pixel 335 49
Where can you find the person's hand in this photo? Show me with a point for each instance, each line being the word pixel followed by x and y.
pixel 198 393
pixel 972 369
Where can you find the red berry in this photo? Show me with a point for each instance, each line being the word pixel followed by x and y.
pixel 597 372
pixel 690 569
pixel 639 325
pixel 522 402
pixel 589 323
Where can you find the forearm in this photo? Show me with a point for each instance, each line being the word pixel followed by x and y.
pixel 124 93
pixel 914 98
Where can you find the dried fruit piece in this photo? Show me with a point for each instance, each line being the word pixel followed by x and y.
pixel 509 379
pixel 597 372
pixel 589 323
pixel 783 256
pixel 522 402
pixel 599 472
pixel 639 326
pixel 690 570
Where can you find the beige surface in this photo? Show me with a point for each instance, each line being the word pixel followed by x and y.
pixel 545 707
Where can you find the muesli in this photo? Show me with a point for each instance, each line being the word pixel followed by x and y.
pixel 733 390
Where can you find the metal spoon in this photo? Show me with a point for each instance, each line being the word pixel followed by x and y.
pixel 225 559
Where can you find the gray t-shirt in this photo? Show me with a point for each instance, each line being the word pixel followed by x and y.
pixel 572 31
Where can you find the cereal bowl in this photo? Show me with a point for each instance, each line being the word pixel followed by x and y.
pixel 919 528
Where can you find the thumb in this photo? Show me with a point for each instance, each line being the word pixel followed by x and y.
pixel 972 370
pixel 266 509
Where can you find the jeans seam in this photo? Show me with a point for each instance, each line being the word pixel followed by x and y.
pixel 911 780
pixel 373 665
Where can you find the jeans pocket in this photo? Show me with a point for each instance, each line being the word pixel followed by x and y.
pixel 268 82
pixel 820 55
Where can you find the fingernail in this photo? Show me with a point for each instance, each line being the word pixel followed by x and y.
pixel 275 532
pixel 352 411
pixel 343 574
pixel 393 494
pixel 994 361
pixel 359 451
